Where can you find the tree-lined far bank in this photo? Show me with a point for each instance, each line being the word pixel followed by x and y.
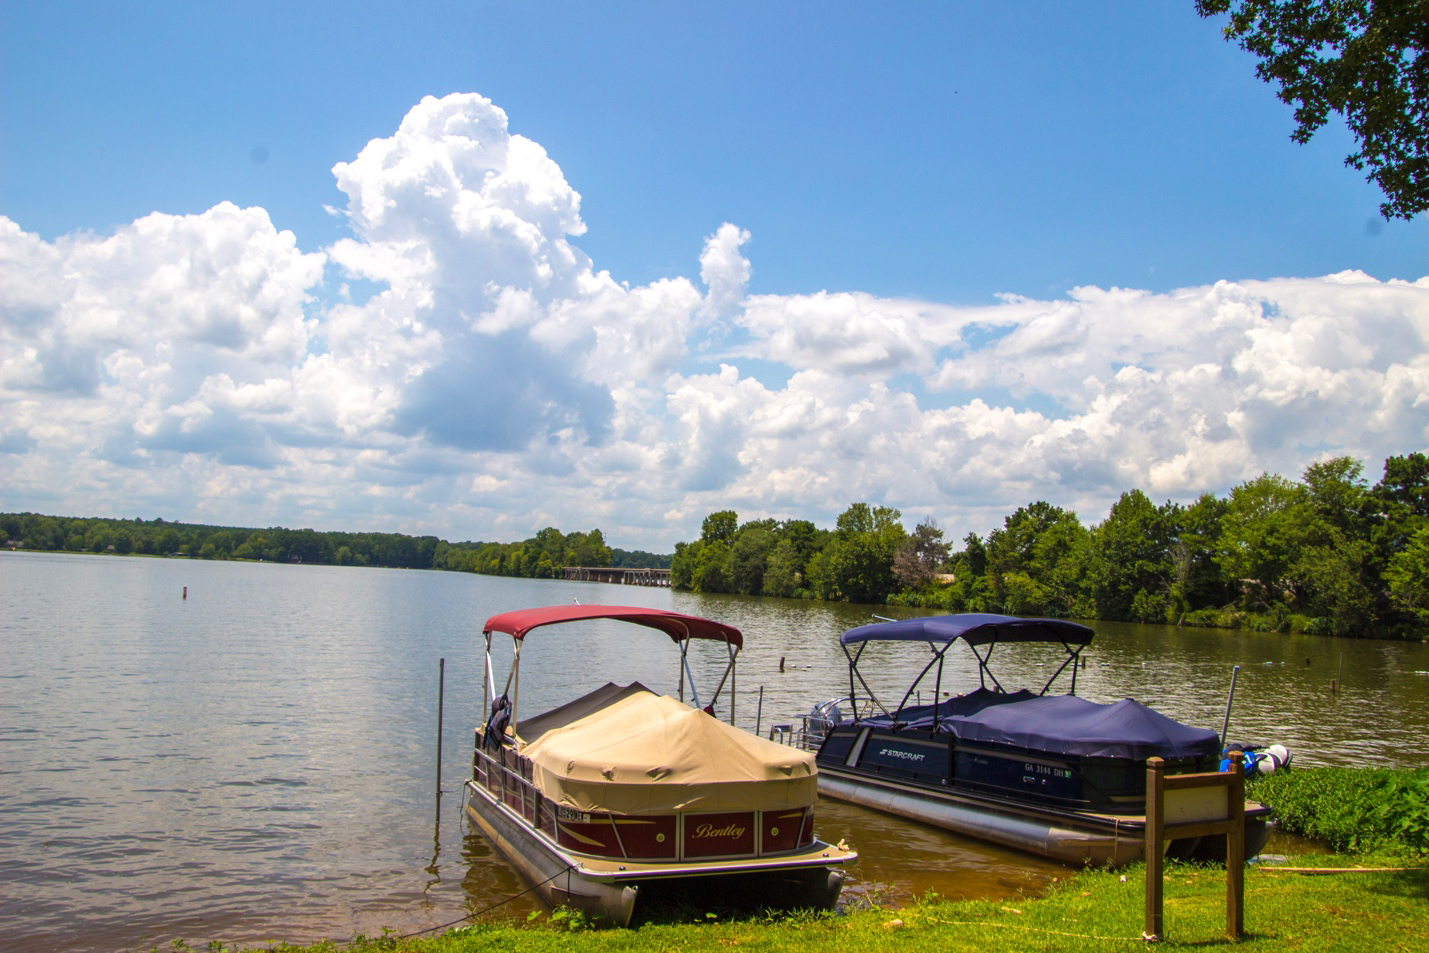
pixel 1326 554
pixel 542 556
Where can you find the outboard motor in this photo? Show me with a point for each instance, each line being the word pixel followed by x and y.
pixel 823 719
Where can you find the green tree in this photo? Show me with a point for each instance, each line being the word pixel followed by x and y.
pixel 1012 550
pixel 712 568
pixel 1262 533
pixel 820 582
pixel 224 542
pixel 44 532
pixel 167 542
pixel 1133 559
pixel 720 527
pixel 98 538
pixel 798 542
pixel 1197 580
pixel 783 570
pixel 971 590
pixel 1401 501
pixel 1408 577
pixel 1363 59
pixel 1338 569
pixel 921 555
pixel 857 564
pixel 682 565
pixel 1061 560
pixel 974 555
pixel 749 556
pixel 1022 595
pixel 587 549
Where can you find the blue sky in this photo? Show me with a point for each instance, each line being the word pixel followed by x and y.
pixel 1015 210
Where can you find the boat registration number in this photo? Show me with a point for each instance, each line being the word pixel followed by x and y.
pixel 571 814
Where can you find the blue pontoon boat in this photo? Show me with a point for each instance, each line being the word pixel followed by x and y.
pixel 1052 774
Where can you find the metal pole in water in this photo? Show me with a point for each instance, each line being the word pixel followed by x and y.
pixel 441 699
pixel 1229 699
pixel 759 711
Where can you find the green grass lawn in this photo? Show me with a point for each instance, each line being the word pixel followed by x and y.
pixel 1387 910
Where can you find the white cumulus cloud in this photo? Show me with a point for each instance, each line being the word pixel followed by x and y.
pixel 458 366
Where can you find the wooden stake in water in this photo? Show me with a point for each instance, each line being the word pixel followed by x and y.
pixel 441 698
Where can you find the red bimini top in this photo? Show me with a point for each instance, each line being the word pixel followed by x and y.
pixel 676 625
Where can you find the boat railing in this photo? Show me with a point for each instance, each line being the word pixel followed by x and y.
pixel 506 775
pixel 814 727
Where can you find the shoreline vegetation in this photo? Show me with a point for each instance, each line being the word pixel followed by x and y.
pixel 1372 896
pixel 1325 555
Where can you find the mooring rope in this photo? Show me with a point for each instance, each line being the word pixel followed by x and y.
pixel 502 903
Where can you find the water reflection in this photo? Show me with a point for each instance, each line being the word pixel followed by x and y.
pixel 901 860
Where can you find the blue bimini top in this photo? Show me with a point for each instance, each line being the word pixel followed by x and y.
pixel 974 628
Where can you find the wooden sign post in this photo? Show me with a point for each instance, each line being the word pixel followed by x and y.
pixel 1195 805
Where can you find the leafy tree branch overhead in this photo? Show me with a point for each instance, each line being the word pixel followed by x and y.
pixel 1363 59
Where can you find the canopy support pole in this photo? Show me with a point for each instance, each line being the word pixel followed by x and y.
pixel 685 660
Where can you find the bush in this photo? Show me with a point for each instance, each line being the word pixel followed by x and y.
pixel 1351 809
pixel 1212 618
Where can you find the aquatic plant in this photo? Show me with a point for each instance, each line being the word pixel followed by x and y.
pixel 1351 809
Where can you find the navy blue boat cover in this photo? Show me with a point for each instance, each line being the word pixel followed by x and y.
pixel 1066 724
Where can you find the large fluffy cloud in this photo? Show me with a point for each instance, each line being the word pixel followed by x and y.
pixel 459 366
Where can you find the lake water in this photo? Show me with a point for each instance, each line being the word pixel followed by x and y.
pixel 257 761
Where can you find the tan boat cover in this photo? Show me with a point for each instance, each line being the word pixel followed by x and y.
pixel 646 754
pixel 530 729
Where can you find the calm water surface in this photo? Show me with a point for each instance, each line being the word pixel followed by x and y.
pixel 257 761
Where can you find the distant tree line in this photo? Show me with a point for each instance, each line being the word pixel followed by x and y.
pixel 543 555
pixel 159 537
pixel 1328 554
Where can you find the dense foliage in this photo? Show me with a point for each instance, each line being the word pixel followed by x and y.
pixel 1326 554
pixel 1363 59
pixel 1351 809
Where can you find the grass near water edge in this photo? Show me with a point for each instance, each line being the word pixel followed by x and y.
pixel 1384 910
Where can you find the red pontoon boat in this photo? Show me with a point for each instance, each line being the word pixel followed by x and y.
pixel 624 789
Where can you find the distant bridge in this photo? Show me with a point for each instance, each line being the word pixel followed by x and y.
pixel 618 576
